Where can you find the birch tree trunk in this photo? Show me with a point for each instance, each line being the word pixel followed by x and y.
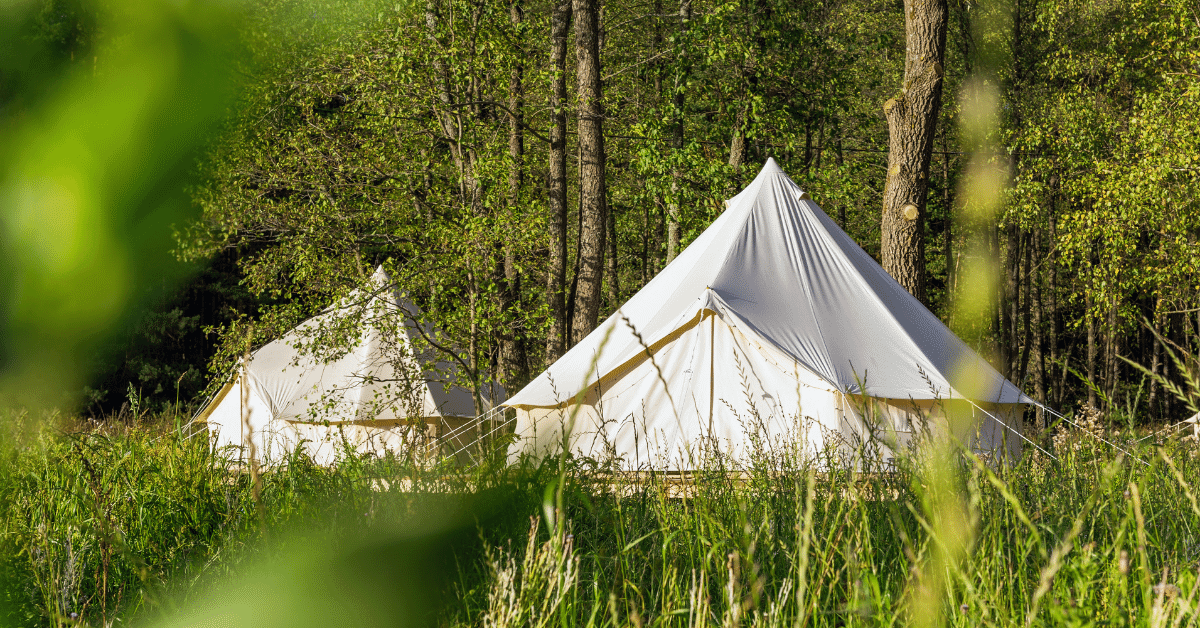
pixel 912 117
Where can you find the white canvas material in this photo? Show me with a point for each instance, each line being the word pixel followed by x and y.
pixel 773 321
pixel 380 395
pixel 1195 421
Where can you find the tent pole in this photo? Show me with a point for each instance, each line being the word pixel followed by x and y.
pixel 712 341
pixel 242 403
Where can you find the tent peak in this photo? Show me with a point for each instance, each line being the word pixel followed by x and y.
pixel 771 171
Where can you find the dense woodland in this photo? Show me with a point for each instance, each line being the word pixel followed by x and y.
pixel 524 166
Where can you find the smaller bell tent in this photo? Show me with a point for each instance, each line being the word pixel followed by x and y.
pixel 772 330
pixel 386 389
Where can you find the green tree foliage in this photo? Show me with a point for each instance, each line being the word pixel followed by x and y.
pixel 379 133
pixel 383 139
pixel 1103 130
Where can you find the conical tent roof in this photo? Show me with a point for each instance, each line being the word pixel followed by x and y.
pixel 364 383
pixel 775 264
pixel 389 374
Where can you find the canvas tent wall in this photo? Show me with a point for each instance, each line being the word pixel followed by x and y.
pixel 773 328
pixel 1194 421
pixel 389 391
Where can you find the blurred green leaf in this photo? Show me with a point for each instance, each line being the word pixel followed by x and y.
pixel 100 151
pixel 393 574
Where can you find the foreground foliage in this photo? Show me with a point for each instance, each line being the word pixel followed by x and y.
pixel 110 522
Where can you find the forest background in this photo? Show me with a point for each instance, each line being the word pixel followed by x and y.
pixel 446 140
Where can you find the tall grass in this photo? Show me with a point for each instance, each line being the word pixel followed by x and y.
pixel 110 523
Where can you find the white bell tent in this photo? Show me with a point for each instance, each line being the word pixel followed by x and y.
pixel 772 329
pixel 388 391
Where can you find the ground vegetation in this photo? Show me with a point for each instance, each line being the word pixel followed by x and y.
pixel 108 524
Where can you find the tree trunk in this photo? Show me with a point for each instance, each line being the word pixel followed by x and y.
pixel 759 15
pixel 556 276
pixel 1055 314
pixel 473 346
pixel 1039 331
pixel 673 207
pixel 677 100
pixel 948 227
pixel 966 35
pixel 514 363
pixel 450 119
pixel 807 161
pixel 997 307
pixel 841 207
pixel 660 203
pixel 1027 341
pixel 912 118
pixel 592 208
pixel 612 271
pixel 575 264
pixel 1091 347
pixel 1112 348
pixel 737 145
pixel 820 144
pixel 1010 301
pixel 646 236
pixel 1156 359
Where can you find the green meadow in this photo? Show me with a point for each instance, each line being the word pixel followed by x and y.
pixel 116 525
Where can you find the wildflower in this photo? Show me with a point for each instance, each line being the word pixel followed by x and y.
pixel 1123 563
